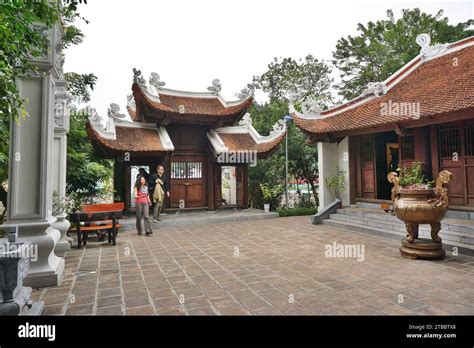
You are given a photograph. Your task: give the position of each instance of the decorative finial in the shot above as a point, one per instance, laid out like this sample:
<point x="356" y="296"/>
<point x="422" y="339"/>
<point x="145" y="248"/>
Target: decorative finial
<point x="310" y="107"/>
<point x="424" y="41"/>
<point x="215" y="87"/>
<point x="375" y="88"/>
<point x="138" y="78"/>
<point x="154" y="80"/>
<point x="131" y="101"/>
<point x="246" y="120"/>
<point x="114" y="111"/>
<point x="136" y="75"/>
<point x="278" y="128"/>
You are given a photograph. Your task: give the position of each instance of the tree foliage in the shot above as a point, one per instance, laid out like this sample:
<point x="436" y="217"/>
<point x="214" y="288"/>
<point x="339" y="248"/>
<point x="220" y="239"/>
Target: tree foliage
<point x="80" y="85"/>
<point x="384" y="46"/>
<point x="20" y="41"/>
<point x="304" y="79"/>
<point x="87" y="175"/>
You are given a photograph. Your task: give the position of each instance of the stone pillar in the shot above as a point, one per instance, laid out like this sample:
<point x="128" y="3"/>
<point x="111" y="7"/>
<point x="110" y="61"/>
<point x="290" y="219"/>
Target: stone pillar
<point x="61" y="128"/>
<point x="30" y="167"/>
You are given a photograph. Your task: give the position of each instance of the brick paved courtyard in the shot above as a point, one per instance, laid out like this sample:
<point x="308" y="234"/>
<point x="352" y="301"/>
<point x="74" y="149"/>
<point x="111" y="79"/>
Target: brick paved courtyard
<point x="274" y="266"/>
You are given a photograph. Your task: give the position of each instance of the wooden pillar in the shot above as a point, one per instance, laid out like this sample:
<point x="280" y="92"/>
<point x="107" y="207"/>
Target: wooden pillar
<point x="166" y="163"/>
<point x="128" y="195"/>
<point x="434" y="151"/>
<point x="211" y="183"/>
<point x="353" y="169"/>
<point x="423" y="148"/>
<point x="245" y="184"/>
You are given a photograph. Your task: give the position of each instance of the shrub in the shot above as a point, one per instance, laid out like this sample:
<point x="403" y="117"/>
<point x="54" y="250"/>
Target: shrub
<point x="336" y="182"/>
<point x="297" y="211"/>
<point x="271" y="194"/>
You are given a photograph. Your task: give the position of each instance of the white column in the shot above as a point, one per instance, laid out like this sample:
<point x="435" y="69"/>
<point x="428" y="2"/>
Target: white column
<point x="327" y="161"/>
<point x="61" y="128"/>
<point x="331" y="155"/>
<point x="343" y="162"/>
<point x="30" y="166"/>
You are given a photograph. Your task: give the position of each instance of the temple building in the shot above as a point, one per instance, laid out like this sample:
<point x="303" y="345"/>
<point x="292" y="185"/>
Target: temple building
<point x="423" y="112"/>
<point x="205" y="143"/>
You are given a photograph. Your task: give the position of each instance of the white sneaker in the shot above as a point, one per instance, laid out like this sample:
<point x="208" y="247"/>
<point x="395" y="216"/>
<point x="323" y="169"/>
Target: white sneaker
<point x="155" y="221"/>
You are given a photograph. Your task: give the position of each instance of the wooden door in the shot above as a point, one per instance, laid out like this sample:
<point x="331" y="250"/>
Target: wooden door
<point x="456" y="154"/>
<point x="367" y="167"/>
<point x="187" y="182"/>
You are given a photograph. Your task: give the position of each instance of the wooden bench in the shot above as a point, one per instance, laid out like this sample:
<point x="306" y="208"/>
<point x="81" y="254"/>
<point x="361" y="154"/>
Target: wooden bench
<point x="100" y="219"/>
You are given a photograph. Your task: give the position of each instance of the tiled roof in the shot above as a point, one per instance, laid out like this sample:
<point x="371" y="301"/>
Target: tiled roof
<point x="129" y="139"/>
<point x="441" y="85"/>
<point x="185" y="106"/>
<point x="245" y="142"/>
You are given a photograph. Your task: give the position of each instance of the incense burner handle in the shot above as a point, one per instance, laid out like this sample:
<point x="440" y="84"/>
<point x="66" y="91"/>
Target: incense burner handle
<point x="442" y="193"/>
<point x="393" y="178"/>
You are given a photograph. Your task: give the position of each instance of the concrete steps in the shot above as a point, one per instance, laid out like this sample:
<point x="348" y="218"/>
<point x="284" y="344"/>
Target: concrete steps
<point x="454" y="232"/>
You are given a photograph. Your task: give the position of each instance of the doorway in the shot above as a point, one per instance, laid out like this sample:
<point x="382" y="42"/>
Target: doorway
<point x="134" y="171"/>
<point x="187" y="182"/>
<point x="386" y="159"/>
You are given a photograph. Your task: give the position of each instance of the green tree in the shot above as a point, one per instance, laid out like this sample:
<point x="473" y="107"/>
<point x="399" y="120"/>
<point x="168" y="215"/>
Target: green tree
<point x="269" y="171"/>
<point x="304" y="79"/>
<point x="20" y="40"/>
<point x="287" y="78"/>
<point x="87" y="175"/>
<point x="384" y="46"/>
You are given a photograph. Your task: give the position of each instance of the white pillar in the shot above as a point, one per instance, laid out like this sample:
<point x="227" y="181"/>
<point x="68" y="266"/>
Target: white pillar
<point x="343" y="162"/>
<point x="327" y="161"/>
<point x="61" y="128"/>
<point x="31" y="163"/>
<point x="331" y="155"/>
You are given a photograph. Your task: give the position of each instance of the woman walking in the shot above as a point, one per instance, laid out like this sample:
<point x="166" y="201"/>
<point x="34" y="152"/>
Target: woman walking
<point x="142" y="205"/>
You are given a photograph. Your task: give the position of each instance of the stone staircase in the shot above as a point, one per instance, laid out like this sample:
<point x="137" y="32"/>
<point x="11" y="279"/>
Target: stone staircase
<point x="457" y="228"/>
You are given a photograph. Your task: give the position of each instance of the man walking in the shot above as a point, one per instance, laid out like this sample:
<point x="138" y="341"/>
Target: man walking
<point x="158" y="189"/>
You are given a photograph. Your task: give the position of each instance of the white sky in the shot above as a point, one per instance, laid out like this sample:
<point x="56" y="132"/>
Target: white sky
<point x="191" y="42"/>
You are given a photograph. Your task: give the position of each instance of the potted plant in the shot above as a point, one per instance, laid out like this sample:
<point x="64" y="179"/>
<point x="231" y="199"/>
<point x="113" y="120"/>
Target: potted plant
<point x="267" y="197"/>
<point x="336" y="182"/>
<point x="416" y="202"/>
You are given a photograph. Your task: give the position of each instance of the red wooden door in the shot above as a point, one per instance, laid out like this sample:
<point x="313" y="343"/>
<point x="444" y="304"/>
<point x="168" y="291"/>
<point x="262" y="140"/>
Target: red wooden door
<point x="456" y="154"/>
<point x="187" y="182"/>
<point x="367" y="167"/>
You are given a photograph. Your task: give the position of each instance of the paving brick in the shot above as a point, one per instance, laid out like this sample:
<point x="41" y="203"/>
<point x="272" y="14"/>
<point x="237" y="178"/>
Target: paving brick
<point x="278" y="258"/>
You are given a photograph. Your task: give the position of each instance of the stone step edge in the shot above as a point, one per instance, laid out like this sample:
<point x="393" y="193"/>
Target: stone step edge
<point x="390" y="218"/>
<point x="400" y="224"/>
<point x="462" y="248"/>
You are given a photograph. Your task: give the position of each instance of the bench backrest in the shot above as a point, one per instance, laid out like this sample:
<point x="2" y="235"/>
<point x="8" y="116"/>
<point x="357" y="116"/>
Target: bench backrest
<point x="94" y="208"/>
<point x="98" y="212"/>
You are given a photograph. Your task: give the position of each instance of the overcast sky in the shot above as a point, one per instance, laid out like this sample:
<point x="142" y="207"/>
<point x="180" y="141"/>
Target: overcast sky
<point x="191" y="42"/>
